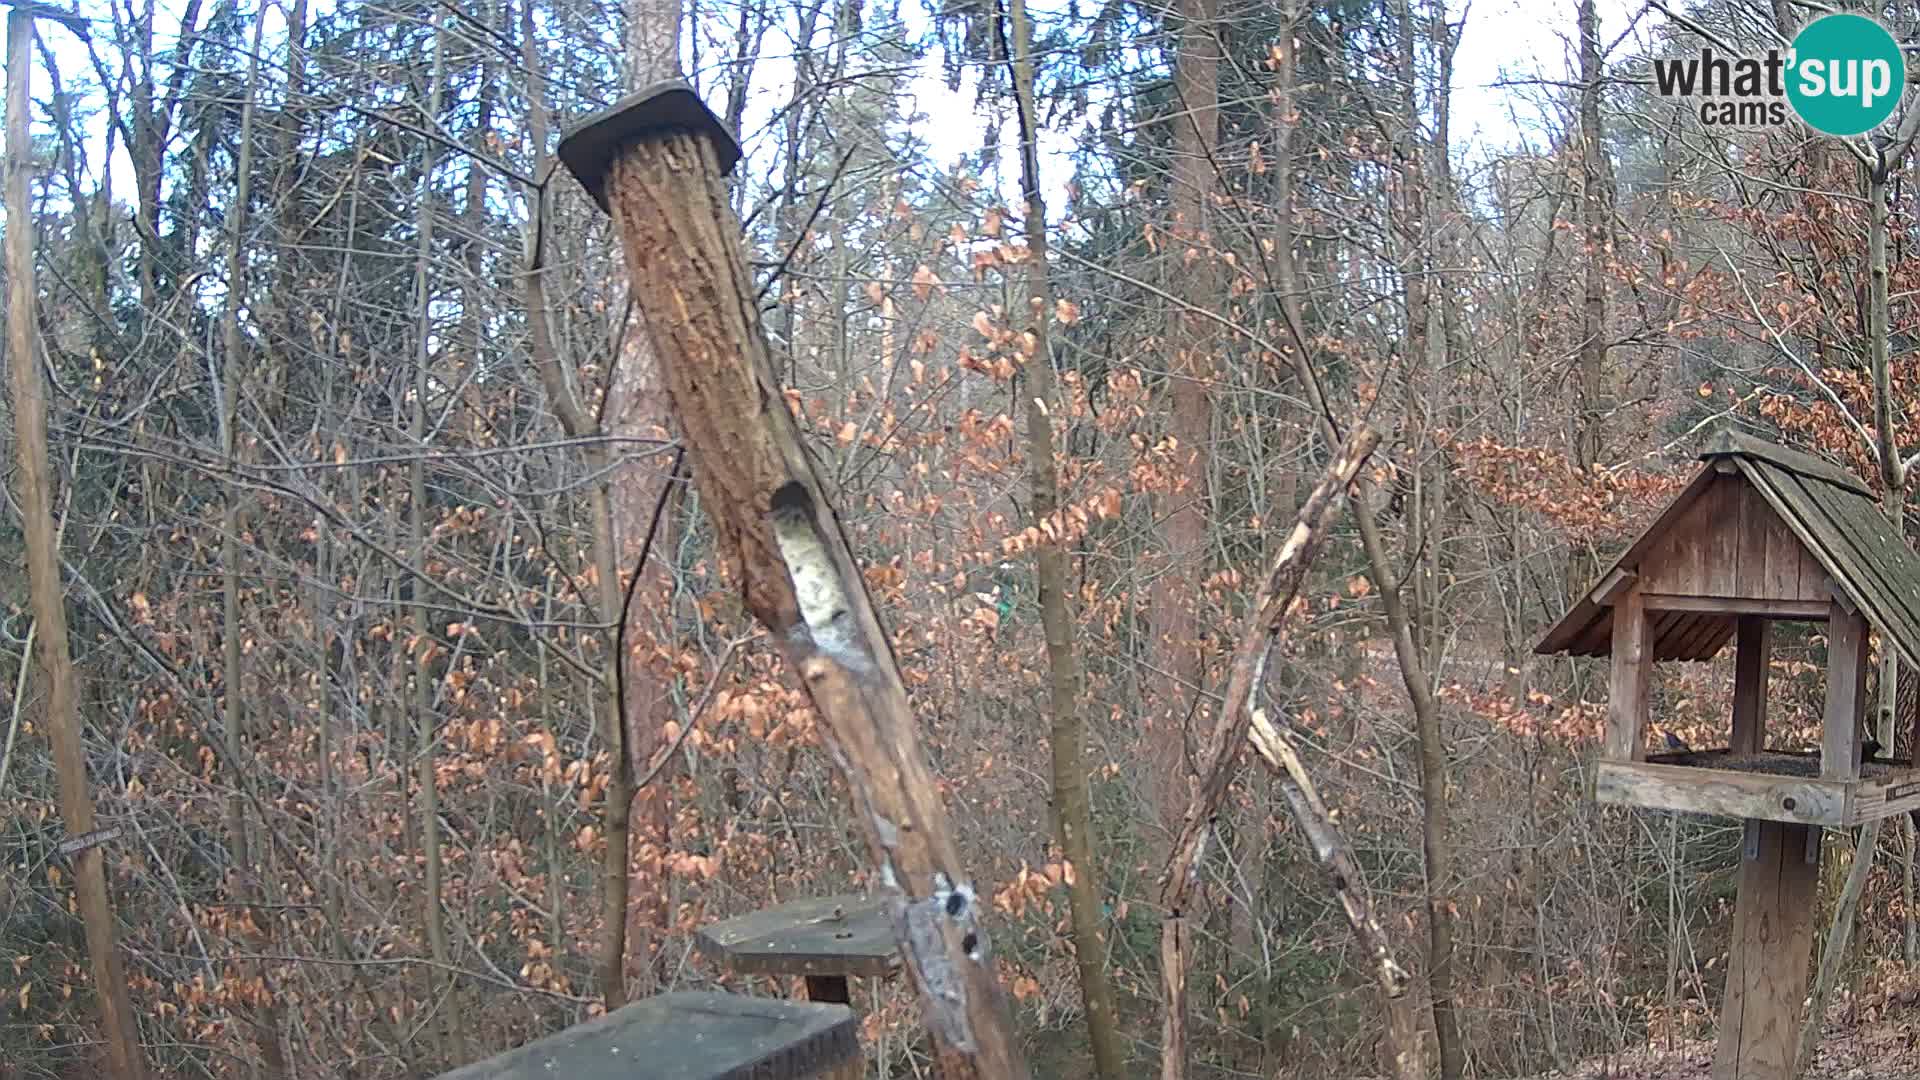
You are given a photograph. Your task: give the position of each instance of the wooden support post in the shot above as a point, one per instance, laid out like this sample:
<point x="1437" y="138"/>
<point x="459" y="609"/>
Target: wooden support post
<point x="655" y="162"/>
<point x="1913" y="734"/>
<point x="1752" y="649"/>
<point x="829" y="989"/>
<point x="1632" y="676"/>
<point x="1772" y="944"/>
<point x="1846" y="694"/>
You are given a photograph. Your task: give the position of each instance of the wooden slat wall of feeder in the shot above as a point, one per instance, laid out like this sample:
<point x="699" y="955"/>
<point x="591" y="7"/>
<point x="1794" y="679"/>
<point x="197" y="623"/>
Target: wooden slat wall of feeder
<point x="1762" y="534"/>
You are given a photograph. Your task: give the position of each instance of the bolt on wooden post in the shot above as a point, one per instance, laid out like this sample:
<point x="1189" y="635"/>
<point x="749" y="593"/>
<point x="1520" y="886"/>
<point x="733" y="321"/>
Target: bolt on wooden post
<point x="655" y="162"/>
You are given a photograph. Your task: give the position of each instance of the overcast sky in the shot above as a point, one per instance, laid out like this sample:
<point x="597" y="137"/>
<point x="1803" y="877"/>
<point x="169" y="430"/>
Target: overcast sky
<point x="1503" y="40"/>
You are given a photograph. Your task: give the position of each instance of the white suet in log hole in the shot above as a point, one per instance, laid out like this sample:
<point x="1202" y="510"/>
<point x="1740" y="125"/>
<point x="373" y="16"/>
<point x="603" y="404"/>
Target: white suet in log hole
<point x="817" y="588"/>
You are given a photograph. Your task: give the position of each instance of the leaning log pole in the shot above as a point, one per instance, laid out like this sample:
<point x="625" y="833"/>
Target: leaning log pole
<point x="656" y="162"/>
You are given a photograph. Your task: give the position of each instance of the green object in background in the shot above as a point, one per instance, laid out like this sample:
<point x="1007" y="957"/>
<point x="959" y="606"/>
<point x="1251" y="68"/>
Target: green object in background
<point x="1006" y="592"/>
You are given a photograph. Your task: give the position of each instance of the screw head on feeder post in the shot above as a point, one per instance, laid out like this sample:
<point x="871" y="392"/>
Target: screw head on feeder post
<point x="588" y="149"/>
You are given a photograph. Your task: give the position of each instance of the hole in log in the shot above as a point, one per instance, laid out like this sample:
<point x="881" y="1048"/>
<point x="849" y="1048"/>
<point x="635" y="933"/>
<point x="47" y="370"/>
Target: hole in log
<point x="1788" y="803"/>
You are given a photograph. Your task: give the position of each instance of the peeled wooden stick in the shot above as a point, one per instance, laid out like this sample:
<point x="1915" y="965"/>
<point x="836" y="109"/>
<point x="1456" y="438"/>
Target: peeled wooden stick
<point x="1331" y="848"/>
<point x="1220" y="755"/>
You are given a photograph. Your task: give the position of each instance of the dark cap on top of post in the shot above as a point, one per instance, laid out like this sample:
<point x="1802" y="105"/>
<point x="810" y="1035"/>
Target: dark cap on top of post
<point x="588" y="149"/>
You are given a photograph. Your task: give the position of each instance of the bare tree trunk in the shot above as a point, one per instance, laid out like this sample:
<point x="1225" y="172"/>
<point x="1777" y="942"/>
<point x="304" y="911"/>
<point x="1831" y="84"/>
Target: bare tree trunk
<point x="425" y="729"/>
<point x="118" y="1022"/>
<point x="1412" y="256"/>
<point x="550" y="817"/>
<point x="1909" y="938"/>
<point x="1413" y="664"/>
<point x="1073" y="812"/>
<point x="653" y="41"/>
<point x="1433" y="792"/>
<point x="1176" y="597"/>
<point x="263" y="1019"/>
<point x="1591" y="398"/>
<point x="637" y="409"/>
<point x="1674" y="943"/>
<point x="564" y="399"/>
<point x="1591" y="405"/>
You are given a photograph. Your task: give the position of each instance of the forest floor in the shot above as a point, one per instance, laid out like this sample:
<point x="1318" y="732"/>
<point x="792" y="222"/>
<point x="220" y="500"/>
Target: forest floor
<point x="1882" y="1045"/>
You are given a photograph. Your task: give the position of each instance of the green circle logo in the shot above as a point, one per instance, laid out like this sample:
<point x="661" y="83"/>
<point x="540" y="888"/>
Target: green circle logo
<point x="1847" y="74"/>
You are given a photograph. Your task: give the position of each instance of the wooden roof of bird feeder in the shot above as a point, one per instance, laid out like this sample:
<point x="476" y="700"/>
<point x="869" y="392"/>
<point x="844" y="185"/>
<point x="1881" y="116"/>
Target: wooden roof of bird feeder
<point x="1761" y="534"/>
<point x="691" y="1036"/>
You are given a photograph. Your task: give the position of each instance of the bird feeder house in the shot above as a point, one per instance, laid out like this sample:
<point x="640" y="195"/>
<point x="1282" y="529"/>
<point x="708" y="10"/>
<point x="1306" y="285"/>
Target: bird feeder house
<point x="1761" y="535"/>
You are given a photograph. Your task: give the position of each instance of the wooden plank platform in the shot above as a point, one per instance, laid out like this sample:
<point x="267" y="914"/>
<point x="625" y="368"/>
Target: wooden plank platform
<point x="691" y="1036"/>
<point x="830" y="935"/>
<point x="1771" y="786"/>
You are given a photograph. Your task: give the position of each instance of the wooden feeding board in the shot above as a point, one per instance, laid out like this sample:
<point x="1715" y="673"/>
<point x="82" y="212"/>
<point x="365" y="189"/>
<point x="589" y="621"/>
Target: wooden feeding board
<point x="691" y="1036"/>
<point x="1771" y="785"/>
<point x="826" y="939"/>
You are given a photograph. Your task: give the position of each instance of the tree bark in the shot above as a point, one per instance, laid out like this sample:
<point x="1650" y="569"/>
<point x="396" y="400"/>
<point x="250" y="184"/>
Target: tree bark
<point x="1591" y="386"/>
<point x="1591" y="398"/>
<point x="653" y="41"/>
<point x="556" y="381"/>
<point x="426" y="730"/>
<point x="781" y="542"/>
<point x="1413" y="664"/>
<point x="1220" y="754"/>
<point x="1433" y="793"/>
<point x="1073" y="812"/>
<point x="637" y="409"/>
<point x="1176" y="596"/>
<point x="264" y="1019"/>
<point x="118" y="1022"/>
